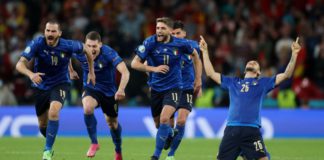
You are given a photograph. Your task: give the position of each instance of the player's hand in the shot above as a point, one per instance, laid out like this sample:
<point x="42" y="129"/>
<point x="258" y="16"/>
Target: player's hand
<point x="203" y="45"/>
<point x="295" y="46"/>
<point x="74" y="75"/>
<point x="120" y="95"/>
<point x="162" y="69"/>
<point x="91" y="78"/>
<point x="36" y="78"/>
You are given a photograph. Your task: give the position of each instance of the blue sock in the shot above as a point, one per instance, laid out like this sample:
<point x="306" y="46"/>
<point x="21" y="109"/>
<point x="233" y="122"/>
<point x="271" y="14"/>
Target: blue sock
<point x="43" y="131"/>
<point x="176" y="140"/>
<point x="91" y="124"/>
<point x="161" y="136"/>
<point x="116" y="138"/>
<point x="52" y="128"/>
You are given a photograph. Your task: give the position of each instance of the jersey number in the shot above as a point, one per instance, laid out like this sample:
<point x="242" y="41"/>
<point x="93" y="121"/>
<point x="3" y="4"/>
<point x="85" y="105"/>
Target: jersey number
<point x="245" y="88"/>
<point x="258" y="145"/>
<point x="54" y="60"/>
<point x="166" y="59"/>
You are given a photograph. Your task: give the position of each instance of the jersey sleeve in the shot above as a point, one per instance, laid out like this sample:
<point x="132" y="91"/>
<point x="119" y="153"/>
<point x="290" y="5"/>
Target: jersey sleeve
<point x="114" y="58"/>
<point x="187" y="47"/>
<point x="77" y="47"/>
<point x="195" y="45"/>
<point x="30" y="50"/>
<point x="270" y="83"/>
<point x="143" y="50"/>
<point x="226" y="81"/>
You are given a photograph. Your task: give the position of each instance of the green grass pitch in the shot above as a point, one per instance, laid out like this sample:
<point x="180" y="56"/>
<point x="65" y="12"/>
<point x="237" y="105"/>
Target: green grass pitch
<point x="68" y="148"/>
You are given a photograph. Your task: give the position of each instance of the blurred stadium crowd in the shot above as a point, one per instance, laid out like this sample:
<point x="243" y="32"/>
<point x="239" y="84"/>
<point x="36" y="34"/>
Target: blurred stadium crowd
<point x="236" y="31"/>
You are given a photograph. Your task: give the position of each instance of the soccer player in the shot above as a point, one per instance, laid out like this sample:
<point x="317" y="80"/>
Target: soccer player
<point x="188" y="79"/>
<point x="242" y="133"/>
<point x="50" y="77"/>
<point x="163" y="54"/>
<point x="104" y="94"/>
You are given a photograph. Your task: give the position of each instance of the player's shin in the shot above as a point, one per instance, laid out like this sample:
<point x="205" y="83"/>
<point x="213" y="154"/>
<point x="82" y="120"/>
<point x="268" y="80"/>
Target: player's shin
<point x="52" y="128"/>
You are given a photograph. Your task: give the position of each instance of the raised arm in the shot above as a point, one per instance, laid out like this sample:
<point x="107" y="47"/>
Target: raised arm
<point x="120" y="94"/>
<point x="198" y="70"/>
<point x="22" y="68"/>
<point x="91" y="74"/>
<point x="209" y="69"/>
<point x="140" y="66"/>
<point x="295" y="47"/>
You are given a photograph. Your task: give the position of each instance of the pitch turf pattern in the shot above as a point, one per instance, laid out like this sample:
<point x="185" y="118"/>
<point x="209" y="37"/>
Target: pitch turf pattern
<point x="67" y="148"/>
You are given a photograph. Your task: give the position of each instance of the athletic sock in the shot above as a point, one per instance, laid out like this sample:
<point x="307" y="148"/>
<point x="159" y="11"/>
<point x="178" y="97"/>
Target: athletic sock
<point x="52" y="128"/>
<point x="91" y="124"/>
<point x="116" y="138"/>
<point x="161" y="136"/>
<point x="176" y="140"/>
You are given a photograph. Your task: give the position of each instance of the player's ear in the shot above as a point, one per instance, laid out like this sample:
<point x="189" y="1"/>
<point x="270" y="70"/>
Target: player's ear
<point x="60" y="33"/>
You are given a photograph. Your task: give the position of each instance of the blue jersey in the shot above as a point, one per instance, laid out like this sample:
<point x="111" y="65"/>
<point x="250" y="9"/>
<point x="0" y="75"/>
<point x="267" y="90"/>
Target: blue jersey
<point x="187" y="68"/>
<point x="157" y="54"/>
<point x="105" y="67"/>
<point x="53" y="61"/>
<point x="246" y="97"/>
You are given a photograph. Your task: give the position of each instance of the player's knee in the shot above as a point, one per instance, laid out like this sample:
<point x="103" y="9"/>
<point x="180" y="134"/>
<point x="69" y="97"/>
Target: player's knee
<point x="53" y="114"/>
<point x="88" y="108"/>
<point x="181" y="121"/>
<point x="112" y="124"/>
<point x="164" y="120"/>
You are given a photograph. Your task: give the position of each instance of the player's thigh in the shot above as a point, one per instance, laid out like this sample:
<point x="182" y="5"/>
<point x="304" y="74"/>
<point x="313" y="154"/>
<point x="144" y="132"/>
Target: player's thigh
<point x="109" y="106"/>
<point x="186" y="100"/>
<point x="90" y="101"/>
<point x="252" y="143"/>
<point x="42" y="102"/>
<point x="229" y="147"/>
<point x="156" y="104"/>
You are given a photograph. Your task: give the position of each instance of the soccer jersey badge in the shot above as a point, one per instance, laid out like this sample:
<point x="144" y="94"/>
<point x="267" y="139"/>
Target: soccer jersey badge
<point x="141" y="48"/>
<point x="175" y="51"/>
<point x="62" y="55"/>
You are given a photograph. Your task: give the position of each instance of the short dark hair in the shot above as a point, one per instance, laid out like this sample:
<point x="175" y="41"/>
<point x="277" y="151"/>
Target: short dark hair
<point x="178" y="24"/>
<point x="54" y="21"/>
<point x="93" y="35"/>
<point x="166" y="20"/>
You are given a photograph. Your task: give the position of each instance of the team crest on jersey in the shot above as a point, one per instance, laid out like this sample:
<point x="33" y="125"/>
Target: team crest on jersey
<point x="175" y="51"/>
<point x="254" y="83"/>
<point x="62" y="55"/>
<point x="27" y="50"/>
<point x="141" y="48"/>
<point x="100" y="65"/>
<point x="189" y="57"/>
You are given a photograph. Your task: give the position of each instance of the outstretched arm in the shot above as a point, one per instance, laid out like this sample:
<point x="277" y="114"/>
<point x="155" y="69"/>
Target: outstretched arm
<point x="198" y="71"/>
<point x="23" y="69"/>
<point x="295" y="47"/>
<point x="209" y="69"/>
<point x="91" y="74"/>
<point x="120" y="94"/>
<point x="140" y="66"/>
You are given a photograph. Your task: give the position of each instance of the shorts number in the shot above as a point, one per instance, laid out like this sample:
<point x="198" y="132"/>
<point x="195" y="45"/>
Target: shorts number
<point x="174" y="96"/>
<point x="62" y="94"/>
<point x="189" y="98"/>
<point x="258" y="145"/>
